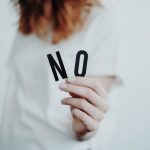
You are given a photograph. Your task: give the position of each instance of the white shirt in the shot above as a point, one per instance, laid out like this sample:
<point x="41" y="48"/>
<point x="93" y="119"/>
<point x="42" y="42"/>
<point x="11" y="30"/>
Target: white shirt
<point x="34" y="118"/>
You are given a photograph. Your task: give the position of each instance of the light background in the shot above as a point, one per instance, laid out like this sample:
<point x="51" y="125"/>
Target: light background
<point x="133" y="17"/>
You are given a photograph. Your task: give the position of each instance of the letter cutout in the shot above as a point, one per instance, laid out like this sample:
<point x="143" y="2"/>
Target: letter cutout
<point x="54" y="66"/>
<point x="81" y="52"/>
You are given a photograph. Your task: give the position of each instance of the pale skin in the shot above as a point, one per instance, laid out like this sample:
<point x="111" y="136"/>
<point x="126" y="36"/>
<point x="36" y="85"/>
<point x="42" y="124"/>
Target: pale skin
<point x="88" y="102"/>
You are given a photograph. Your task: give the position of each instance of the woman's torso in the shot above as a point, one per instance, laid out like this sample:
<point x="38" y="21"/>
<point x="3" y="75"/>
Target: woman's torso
<point x="34" y="118"/>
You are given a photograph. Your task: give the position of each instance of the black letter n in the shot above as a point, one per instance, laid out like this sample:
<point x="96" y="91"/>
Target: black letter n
<point x="54" y="66"/>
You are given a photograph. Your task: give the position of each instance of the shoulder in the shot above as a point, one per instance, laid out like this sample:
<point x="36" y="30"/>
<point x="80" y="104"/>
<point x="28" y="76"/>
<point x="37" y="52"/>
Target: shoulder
<point x="21" y="39"/>
<point x="24" y="46"/>
<point x="26" y="43"/>
<point x="100" y="23"/>
<point x="101" y="18"/>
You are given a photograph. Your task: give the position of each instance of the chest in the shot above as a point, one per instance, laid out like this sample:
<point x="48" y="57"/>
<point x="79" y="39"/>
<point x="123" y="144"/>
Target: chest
<point x="58" y="66"/>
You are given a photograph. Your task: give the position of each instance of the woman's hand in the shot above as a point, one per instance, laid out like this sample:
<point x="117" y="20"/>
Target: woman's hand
<point x="88" y="103"/>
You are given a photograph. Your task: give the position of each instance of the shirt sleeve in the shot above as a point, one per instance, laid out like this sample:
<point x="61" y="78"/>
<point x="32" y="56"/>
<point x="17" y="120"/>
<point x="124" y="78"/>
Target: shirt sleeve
<point x="103" y="58"/>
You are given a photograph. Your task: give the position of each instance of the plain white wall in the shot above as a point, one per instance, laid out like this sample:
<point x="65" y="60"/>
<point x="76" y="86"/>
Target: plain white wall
<point x="133" y="17"/>
<point x="134" y="114"/>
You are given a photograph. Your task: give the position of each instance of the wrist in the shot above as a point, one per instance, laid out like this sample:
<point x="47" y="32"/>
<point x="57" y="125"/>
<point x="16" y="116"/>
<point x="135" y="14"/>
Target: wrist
<point x="85" y="136"/>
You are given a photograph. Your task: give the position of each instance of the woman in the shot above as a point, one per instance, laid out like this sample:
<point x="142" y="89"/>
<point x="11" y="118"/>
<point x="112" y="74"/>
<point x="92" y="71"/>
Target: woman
<point x="47" y="74"/>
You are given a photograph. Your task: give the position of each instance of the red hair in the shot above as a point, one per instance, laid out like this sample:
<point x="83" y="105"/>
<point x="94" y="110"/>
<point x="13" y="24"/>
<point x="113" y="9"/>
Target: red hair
<point x="61" y="17"/>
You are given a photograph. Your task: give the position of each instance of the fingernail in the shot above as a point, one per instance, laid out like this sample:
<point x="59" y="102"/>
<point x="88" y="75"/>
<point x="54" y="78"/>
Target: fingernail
<point x="62" y="86"/>
<point x="71" y="79"/>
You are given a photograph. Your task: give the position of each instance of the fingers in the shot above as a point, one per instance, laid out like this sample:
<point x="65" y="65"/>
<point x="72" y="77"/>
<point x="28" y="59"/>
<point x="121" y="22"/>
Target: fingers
<point x="91" y="83"/>
<point x="89" y="122"/>
<point x="85" y="106"/>
<point x="87" y="102"/>
<point x="85" y="93"/>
